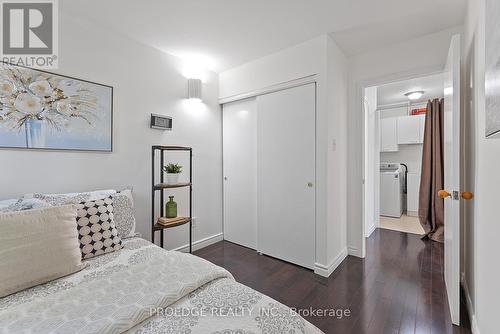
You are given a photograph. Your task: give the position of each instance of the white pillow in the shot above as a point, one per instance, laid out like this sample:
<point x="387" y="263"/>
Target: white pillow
<point x="37" y="246"/>
<point x="94" y="194"/>
<point x="6" y="203"/>
<point x="25" y="204"/>
<point x="71" y="198"/>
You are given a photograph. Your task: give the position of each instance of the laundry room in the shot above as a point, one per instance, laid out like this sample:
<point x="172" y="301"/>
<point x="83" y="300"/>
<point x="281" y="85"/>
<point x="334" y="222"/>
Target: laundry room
<point x="395" y="120"/>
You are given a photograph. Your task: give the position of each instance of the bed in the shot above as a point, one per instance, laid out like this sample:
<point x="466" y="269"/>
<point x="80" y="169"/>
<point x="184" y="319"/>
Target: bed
<point x="143" y="288"/>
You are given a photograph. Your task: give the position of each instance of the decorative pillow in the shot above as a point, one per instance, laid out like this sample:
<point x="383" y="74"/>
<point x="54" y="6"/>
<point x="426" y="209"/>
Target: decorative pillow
<point x="37" y="246"/>
<point x="96" y="228"/>
<point x="56" y="200"/>
<point x="25" y="204"/>
<point x="71" y="198"/>
<point x="123" y="212"/>
<point x="6" y="203"/>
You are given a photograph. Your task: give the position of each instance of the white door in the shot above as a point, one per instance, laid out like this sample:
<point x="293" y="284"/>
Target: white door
<point x="452" y="178"/>
<point x="240" y="172"/>
<point x="286" y="174"/>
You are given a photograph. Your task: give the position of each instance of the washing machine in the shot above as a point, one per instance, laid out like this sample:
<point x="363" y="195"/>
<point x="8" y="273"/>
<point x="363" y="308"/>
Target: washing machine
<point x="391" y="189"/>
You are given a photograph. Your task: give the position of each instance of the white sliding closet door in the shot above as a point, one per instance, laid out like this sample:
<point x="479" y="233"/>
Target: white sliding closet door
<point x="240" y="172"/>
<point x="286" y="174"/>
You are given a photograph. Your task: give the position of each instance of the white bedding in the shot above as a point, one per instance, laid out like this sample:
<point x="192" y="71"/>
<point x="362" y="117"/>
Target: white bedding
<point x="145" y="289"/>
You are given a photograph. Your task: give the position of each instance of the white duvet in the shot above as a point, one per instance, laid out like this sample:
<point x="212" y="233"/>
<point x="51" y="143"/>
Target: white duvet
<point x="145" y="289"/>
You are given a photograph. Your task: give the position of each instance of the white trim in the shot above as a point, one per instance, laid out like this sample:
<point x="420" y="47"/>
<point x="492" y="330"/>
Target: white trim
<point x="202" y="243"/>
<point x="412" y="213"/>
<point x="271" y="89"/>
<point x="353" y="251"/>
<point x="470" y="306"/>
<point x="371" y="230"/>
<point x="326" y="271"/>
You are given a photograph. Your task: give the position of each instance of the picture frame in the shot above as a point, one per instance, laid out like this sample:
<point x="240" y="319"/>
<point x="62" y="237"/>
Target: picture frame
<point x="41" y="110"/>
<point x="492" y="67"/>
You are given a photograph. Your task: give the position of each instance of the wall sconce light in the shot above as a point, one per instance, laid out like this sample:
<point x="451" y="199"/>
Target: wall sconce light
<point x="194" y="89"/>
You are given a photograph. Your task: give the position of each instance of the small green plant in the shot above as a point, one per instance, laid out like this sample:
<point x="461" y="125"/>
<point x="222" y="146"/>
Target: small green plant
<point x="172" y="168"/>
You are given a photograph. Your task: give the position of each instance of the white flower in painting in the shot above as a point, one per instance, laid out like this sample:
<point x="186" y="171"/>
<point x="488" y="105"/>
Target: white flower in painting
<point x="6" y="89"/>
<point x="63" y="107"/>
<point x="41" y="88"/>
<point x="28" y="103"/>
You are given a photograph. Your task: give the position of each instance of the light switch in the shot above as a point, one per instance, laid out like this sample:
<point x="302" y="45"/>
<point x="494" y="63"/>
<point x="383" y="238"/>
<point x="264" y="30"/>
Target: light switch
<point x="334" y="145"/>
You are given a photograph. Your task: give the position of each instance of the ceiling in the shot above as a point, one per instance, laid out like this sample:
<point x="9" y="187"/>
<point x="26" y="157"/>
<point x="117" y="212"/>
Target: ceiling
<point x="394" y="92"/>
<point x="228" y="33"/>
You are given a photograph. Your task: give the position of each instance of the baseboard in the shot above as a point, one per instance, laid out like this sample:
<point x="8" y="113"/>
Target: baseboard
<point x="202" y="243"/>
<point x="470" y="307"/>
<point x="326" y="271"/>
<point x="370" y="230"/>
<point x="353" y="251"/>
<point x="412" y="213"/>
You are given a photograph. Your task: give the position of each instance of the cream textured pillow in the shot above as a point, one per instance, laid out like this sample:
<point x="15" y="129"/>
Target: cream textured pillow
<point x="37" y="246"/>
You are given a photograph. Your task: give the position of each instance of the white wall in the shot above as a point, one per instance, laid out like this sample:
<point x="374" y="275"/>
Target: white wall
<point x="336" y="148"/>
<point x="145" y="81"/>
<point x="292" y="63"/>
<point x="411" y="155"/>
<point x="321" y="57"/>
<point x="481" y="173"/>
<point x="424" y="55"/>
<point x="372" y="160"/>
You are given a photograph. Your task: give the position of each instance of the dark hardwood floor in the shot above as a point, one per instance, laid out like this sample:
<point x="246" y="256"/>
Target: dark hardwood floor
<point x="398" y="288"/>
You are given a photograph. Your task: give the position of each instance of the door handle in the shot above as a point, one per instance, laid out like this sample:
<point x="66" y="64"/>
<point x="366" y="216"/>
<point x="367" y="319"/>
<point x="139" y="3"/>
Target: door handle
<point x="464" y="195"/>
<point x="467" y="195"/>
<point x="443" y="194"/>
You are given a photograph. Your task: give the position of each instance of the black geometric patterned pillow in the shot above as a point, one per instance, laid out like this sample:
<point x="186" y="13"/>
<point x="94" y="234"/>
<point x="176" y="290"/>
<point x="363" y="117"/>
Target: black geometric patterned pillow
<point x="96" y="228"/>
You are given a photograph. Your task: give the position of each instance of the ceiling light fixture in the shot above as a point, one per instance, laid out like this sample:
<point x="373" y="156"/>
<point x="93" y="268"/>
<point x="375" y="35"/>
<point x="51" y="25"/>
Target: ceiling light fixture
<point x="415" y="95"/>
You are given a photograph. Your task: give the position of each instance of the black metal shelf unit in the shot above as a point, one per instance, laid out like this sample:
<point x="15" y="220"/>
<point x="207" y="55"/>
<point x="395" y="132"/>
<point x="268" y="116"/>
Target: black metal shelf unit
<point x="162" y="187"/>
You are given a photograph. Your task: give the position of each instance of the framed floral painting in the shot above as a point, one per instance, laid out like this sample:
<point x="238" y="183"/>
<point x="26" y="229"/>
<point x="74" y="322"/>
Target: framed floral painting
<point x="43" y="110"/>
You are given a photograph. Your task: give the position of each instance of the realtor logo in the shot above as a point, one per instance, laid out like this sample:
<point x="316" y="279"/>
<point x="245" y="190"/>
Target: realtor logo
<point x="29" y="33"/>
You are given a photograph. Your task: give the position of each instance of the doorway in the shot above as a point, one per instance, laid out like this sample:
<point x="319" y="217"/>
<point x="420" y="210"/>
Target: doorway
<point x="394" y="115"/>
<point x="443" y="154"/>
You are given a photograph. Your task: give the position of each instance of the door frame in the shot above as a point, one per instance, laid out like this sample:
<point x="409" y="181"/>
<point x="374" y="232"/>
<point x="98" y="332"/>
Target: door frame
<point x="360" y="225"/>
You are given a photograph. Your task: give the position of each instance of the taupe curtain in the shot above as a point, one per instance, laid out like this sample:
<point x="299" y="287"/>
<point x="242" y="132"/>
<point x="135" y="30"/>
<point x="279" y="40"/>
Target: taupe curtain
<point x="431" y="207"/>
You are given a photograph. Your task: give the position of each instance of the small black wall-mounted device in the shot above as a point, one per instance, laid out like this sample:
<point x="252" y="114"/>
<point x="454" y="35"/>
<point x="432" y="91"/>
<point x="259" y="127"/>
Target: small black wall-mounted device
<point x="161" y="122"/>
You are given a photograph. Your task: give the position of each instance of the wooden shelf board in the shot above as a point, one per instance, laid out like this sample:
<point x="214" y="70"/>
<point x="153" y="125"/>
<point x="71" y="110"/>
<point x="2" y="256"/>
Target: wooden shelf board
<point x="159" y="226"/>
<point x="160" y="186"/>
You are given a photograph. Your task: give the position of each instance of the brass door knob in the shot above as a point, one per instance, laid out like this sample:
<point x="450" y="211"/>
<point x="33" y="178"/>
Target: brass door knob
<point x="443" y="194"/>
<point x="467" y="195"/>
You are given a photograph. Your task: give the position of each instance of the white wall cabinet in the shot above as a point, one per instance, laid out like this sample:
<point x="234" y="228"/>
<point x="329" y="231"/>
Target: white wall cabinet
<point x="389" y="134"/>
<point x="269" y="172"/>
<point x="410" y="129"/>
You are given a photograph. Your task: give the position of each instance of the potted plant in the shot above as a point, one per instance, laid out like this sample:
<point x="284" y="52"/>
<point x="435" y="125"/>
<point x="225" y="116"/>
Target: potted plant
<point x="173" y="171"/>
